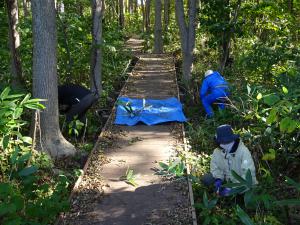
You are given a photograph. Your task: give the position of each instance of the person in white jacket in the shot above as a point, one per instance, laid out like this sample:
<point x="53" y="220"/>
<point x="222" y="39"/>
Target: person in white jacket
<point x="231" y="154"/>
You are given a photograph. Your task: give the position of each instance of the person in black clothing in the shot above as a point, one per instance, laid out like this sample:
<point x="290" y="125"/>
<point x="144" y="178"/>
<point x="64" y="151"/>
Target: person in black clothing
<point x="74" y="101"/>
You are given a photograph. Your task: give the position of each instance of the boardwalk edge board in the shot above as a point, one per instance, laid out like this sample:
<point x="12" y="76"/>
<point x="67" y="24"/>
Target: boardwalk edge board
<point x="185" y="146"/>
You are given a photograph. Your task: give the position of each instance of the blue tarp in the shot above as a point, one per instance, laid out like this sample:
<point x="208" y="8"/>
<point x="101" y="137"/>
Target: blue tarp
<point x="148" y="111"/>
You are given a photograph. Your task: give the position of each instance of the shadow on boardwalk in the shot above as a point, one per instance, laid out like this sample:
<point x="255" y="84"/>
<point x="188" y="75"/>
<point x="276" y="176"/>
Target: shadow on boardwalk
<point x="116" y="207"/>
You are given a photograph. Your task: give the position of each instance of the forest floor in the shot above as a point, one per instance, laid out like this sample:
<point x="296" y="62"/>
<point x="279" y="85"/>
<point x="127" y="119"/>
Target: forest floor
<point x="102" y="197"/>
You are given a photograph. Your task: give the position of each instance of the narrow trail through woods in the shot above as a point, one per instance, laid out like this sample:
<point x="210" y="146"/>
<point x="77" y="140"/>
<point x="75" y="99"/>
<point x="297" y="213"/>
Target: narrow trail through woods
<point x="102" y="197"/>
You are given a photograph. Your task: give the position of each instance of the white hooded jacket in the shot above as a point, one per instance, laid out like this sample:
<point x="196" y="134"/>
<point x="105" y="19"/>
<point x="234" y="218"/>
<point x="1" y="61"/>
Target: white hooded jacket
<point x="240" y="161"/>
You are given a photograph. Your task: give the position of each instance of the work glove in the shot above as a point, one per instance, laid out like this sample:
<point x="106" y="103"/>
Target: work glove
<point x="218" y="184"/>
<point x="224" y="191"/>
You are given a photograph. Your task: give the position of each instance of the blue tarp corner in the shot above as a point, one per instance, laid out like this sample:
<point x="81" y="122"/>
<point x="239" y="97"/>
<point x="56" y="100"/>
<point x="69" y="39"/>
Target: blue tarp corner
<point x="149" y="111"/>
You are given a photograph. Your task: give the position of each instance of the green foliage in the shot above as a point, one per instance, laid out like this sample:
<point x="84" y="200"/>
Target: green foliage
<point x="129" y="177"/>
<point x="74" y="127"/>
<point x="24" y="200"/>
<point x="175" y="167"/>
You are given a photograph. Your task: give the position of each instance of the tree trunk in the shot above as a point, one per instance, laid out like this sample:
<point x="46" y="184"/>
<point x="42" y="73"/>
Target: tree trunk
<point x="227" y="38"/>
<point x="147" y="15"/>
<point x="158" y="41"/>
<point x="45" y="78"/>
<point x="144" y="15"/>
<point x="130" y="6"/>
<point x="167" y="5"/>
<point x="121" y="14"/>
<point x="290" y="6"/>
<point x="96" y="60"/>
<point x="135" y="7"/>
<point x="14" y="42"/>
<point x="25" y="8"/>
<point x="187" y="35"/>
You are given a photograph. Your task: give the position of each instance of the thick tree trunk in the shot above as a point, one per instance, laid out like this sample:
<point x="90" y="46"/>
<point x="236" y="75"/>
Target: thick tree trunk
<point x="158" y="41"/>
<point x="121" y="14"/>
<point x="187" y="35"/>
<point x="96" y="60"/>
<point x="167" y="5"/>
<point x="147" y="15"/>
<point x="45" y="78"/>
<point x="14" y="42"/>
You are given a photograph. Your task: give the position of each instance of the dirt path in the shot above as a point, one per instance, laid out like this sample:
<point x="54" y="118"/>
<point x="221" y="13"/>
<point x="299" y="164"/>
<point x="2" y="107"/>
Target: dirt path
<point x="102" y="198"/>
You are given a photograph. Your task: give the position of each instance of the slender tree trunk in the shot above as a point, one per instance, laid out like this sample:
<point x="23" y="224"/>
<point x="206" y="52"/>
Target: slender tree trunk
<point x="187" y="35"/>
<point x="144" y="15"/>
<point x="96" y="60"/>
<point x="158" y="41"/>
<point x="135" y="6"/>
<point x="147" y="15"/>
<point x="45" y="78"/>
<point x="121" y="14"/>
<point x="290" y="6"/>
<point x="25" y="8"/>
<point x="14" y="42"/>
<point x="167" y="5"/>
<point x="130" y="6"/>
<point x="228" y="37"/>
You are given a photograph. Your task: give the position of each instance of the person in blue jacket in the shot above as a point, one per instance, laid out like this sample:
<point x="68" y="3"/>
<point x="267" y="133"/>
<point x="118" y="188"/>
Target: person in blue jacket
<point x="214" y="87"/>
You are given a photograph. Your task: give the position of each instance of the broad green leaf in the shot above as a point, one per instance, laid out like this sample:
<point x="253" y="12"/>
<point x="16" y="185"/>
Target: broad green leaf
<point x="259" y="96"/>
<point x="271" y="99"/>
<point x="17" y="113"/>
<point x="164" y="166"/>
<point x="288" y="125"/>
<point x="248" y="197"/>
<point x="243" y="216"/>
<point x="5" y="141"/>
<point x="249" y="178"/>
<point x="285" y="90"/>
<point x="238" y="177"/>
<point x="24" y="158"/>
<point x="272" y="116"/>
<point x="269" y="156"/>
<point x="27" y="171"/>
<point x="27" y="140"/>
<point x="26" y="98"/>
<point x="4" y="93"/>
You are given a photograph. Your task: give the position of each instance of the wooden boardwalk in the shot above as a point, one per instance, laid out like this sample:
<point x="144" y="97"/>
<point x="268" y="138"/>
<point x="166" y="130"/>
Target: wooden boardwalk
<point x="155" y="201"/>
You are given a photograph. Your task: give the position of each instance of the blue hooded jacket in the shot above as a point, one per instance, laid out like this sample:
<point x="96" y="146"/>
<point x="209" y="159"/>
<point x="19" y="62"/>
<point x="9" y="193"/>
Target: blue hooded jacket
<point x="214" y="83"/>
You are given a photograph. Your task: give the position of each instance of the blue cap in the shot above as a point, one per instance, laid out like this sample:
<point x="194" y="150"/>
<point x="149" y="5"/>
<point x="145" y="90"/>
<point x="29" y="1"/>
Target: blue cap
<point x="225" y="134"/>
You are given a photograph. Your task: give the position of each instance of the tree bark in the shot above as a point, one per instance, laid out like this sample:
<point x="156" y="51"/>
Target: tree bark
<point x="14" y="42"/>
<point x="144" y="15"/>
<point x="187" y="35"/>
<point x="227" y="38"/>
<point x="121" y="14"/>
<point x="25" y="8"/>
<point x="45" y="78"/>
<point x="130" y="6"/>
<point x="167" y="5"/>
<point x="147" y="15"/>
<point x="96" y="60"/>
<point x="158" y="41"/>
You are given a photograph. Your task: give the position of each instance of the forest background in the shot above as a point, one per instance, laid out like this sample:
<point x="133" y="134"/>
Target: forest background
<point x="255" y="44"/>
